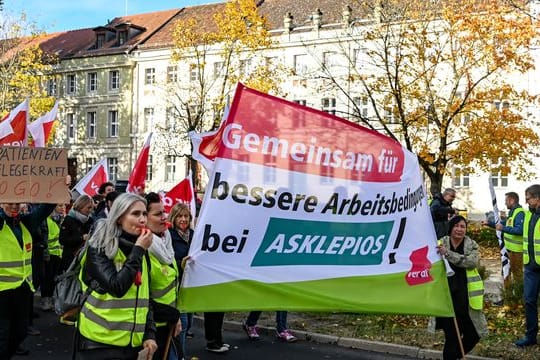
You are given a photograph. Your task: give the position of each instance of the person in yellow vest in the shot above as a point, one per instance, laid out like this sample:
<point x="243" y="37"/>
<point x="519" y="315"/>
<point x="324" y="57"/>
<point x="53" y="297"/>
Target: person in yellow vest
<point x="16" y="272"/>
<point x="512" y="229"/>
<point x="53" y="256"/>
<point x="531" y="262"/>
<point x="466" y="289"/>
<point x="164" y="283"/>
<point x="116" y="320"/>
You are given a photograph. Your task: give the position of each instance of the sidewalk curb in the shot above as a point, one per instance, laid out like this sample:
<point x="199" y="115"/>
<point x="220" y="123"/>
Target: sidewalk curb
<point x="377" y="346"/>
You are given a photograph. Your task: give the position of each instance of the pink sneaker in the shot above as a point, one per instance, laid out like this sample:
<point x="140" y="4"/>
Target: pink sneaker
<point x="287" y="336"/>
<point x="251" y="331"/>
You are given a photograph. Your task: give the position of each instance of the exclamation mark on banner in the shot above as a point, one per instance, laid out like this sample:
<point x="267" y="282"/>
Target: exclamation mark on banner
<point x="392" y="255"/>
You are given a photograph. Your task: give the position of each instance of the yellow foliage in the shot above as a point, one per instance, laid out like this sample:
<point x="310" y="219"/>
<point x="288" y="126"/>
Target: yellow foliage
<point x="444" y="63"/>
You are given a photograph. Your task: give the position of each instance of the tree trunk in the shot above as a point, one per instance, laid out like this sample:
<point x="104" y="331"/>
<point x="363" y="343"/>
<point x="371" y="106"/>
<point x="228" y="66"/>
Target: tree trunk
<point x="436" y="180"/>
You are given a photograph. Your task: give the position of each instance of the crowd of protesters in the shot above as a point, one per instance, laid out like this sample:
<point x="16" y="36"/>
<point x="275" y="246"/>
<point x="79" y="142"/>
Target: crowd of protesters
<point x="133" y="256"/>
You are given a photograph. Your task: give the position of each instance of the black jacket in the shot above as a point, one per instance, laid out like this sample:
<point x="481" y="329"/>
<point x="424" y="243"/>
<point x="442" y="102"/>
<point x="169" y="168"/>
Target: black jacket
<point x="100" y="273"/>
<point x="71" y="238"/>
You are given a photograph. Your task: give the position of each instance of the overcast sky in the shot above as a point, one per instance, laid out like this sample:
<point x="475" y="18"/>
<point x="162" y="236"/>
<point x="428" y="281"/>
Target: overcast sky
<point x="59" y="15"/>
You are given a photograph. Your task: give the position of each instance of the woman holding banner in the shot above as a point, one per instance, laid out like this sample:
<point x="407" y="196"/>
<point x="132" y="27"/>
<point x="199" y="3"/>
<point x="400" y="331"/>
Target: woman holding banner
<point x="466" y="289"/>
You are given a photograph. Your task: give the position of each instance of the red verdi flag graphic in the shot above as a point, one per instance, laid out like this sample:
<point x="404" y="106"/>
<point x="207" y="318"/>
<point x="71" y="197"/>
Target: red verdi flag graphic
<point x="13" y="127"/>
<point x="90" y="183"/>
<point x="137" y="178"/>
<point x="41" y="128"/>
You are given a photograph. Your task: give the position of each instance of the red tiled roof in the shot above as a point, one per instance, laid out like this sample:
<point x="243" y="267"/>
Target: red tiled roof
<point x="204" y="14"/>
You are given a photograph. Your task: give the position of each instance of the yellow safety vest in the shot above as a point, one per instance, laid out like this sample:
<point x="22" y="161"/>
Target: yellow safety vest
<point x="536" y="240"/>
<point x="475" y="289"/>
<point x="15" y="262"/>
<point x="163" y="283"/>
<point x="116" y="321"/>
<point x="513" y="242"/>
<point x="53" y="244"/>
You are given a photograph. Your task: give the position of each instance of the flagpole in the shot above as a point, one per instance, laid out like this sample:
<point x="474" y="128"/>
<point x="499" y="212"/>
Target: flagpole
<point x="505" y="260"/>
<point x="459" y="339"/>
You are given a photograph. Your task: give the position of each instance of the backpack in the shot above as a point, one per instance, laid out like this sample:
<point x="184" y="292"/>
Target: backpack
<point x="68" y="294"/>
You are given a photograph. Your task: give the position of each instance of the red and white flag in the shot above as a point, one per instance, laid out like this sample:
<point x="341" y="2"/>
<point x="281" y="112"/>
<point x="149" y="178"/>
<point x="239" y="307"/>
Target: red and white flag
<point x="206" y="144"/>
<point x="14" y="126"/>
<point x="180" y="193"/>
<point x="41" y="128"/>
<point x="136" y="181"/>
<point x="90" y="183"/>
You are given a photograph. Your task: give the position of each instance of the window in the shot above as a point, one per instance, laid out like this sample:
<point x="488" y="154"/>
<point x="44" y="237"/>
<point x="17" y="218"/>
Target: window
<point x="70" y="120"/>
<point x="172" y="74"/>
<point x="113" y="126"/>
<point x="329" y="105"/>
<point x="100" y="40"/>
<point x="300" y="64"/>
<point x="149" y="169"/>
<point x="460" y="178"/>
<point x="170" y="118"/>
<point x="244" y="67"/>
<point x="114" y="80"/>
<point x="91" y="124"/>
<point x="329" y="60"/>
<point x="122" y="37"/>
<point x="218" y="68"/>
<point x="360" y="58"/>
<point x="51" y="87"/>
<point x="499" y="179"/>
<point x="301" y="102"/>
<point x="71" y="84"/>
<point x="90" y="163"/>
<point x="149" y="76"/>
<point x="193" y="72"/>
<point x="170" y="167"/>
<point x="361" y="106"/>
<point x="389" y="114"/>
<point x="194" y="111"/>
<point x="501" y="105"/>
<point x="91" y="82"/>
<point x="112" y="164"/>
<point x="148" y="119"/>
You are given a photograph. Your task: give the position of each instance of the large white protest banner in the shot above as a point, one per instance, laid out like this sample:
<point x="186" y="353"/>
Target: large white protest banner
<point x="307" y="211"/>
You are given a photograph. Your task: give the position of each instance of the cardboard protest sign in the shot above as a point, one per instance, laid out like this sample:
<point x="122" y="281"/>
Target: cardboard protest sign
<point x="307" y="211"/>
<point x="34" y="175"/>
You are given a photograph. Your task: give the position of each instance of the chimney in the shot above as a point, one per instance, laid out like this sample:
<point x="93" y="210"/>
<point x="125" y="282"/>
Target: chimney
<point x="287" y="22"/>
<point x="317" y="18"/>
<point x="346" y="14"/>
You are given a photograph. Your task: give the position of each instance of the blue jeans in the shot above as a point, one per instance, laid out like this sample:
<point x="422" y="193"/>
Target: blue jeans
<point x="186" y="319"/>
<point x="281" y="319"/>
<point x="531" y="287"/>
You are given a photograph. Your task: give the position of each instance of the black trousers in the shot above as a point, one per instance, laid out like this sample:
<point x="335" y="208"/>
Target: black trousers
<point x="14" y="318"/>
<point x="52" y="269"/>
<point x="213" y="324"/>
<point x="469" y="336"/>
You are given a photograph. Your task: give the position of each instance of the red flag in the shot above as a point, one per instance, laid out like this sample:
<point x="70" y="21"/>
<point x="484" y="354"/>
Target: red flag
<point x="206" y="144"/>
<point x="90" y="183"/>
<point x="136" y="181"/>
<point x="13" y="127"/>
<point x="42" y="127"/>
<point x="181" y="193"/>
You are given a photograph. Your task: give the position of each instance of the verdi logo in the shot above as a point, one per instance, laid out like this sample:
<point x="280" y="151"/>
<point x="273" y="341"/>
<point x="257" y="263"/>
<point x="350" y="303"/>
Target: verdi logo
<point x="302" y="242"/>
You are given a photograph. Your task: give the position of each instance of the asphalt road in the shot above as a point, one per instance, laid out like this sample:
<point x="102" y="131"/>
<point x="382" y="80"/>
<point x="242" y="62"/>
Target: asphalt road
<point x="55" y="343"/>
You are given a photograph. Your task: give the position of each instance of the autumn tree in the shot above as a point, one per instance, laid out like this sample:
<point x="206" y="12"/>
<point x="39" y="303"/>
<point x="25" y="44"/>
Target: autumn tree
<point x="442" y="78"/>
<point x="217" y="53"/>
<point x="24" y="67"/>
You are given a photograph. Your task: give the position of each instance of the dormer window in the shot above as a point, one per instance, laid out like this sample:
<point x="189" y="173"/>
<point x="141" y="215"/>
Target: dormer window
<point x="100" y="40"/>
<point x="122" y="37"/>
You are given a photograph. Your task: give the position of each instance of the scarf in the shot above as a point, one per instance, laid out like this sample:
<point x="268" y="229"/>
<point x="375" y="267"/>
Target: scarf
<point x="162" y="248"/>
<point x="77" y="215"/>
